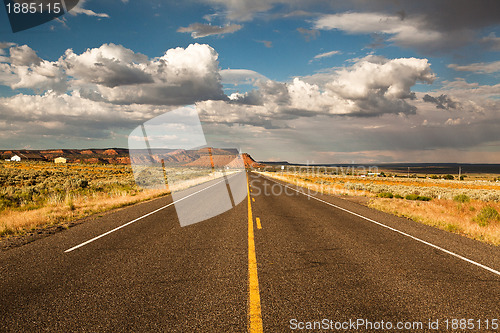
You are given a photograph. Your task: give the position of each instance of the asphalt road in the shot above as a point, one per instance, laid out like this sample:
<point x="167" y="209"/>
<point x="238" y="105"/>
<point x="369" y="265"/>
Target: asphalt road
<point x="314" y="262"/>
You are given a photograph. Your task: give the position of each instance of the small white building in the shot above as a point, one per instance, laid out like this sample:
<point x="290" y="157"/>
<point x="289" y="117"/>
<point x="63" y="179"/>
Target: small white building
<point x="60" y="160"/>
<point x="15" y="158"/>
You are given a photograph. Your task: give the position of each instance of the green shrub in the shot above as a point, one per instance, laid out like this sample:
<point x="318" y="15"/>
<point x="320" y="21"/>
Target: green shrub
<point x="462" y="198"/>
<point x="385" y="195"/>
<point x="417" y="197"/>
<point x="82" y="183"/>
<point x="448" y="177"/>
<point x="411" y="197"/>
<point x="487" y="215"/>
<point x="452" y="228"/>
<point x="398" y="196"/>
<point x="71" y="205"/>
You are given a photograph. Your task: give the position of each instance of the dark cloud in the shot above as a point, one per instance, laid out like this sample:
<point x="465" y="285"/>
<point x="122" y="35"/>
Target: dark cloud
<point x="444" y="15"/>
<point x="429" y="26"/>
<point x="442" y="102"/>
<point x="376" y="104"/>
<point x="460" y="21"/>
<point x="23" y="56"/>
<point x="186" y="92"/>
<point x="109" y="73"/>
<point x="252" y="97"/>
<point x="378" y="41"/>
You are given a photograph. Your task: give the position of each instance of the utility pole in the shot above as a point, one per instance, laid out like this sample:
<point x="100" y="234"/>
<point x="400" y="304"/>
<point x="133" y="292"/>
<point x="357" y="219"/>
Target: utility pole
<point x="459" y="173"/>
<point x="408" y="172"/>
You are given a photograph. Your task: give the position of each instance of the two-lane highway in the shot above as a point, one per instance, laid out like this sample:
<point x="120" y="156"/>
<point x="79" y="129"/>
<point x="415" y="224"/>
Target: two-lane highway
<point x="277" y="260"/>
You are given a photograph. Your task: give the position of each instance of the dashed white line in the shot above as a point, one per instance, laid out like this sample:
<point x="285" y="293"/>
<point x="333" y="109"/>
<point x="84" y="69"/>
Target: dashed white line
<point x="139" y="218"/>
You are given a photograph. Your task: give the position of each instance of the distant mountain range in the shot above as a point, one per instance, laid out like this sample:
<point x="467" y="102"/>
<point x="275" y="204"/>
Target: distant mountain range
<point x="222" y="157"/>
<point x="204" y="157"/>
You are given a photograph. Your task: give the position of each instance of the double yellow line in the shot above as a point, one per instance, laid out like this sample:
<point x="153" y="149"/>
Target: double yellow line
<point x="254" y="310"/>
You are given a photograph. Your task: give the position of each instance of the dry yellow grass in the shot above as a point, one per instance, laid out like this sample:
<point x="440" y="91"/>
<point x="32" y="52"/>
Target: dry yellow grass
<point x="446" y="215"/>
<point x="38" y="194"/>
<point x="443" y="213"/>
<point x="18" y="222"/>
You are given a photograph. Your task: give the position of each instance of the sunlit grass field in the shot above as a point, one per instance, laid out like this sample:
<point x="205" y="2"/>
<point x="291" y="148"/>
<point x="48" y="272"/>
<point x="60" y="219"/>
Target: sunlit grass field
<point x="34" y="194"/>
<point x="470" y="208"/>
<point x="40" y="194"/>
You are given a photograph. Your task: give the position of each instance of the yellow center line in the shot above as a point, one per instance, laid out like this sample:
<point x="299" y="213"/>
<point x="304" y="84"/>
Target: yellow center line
<point x="254" y="310"/>
<point x="258" y="223"/>
<point x="253" y="199"/>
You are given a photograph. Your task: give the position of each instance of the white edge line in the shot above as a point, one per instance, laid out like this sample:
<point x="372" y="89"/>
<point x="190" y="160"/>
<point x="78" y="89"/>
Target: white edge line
<point x="393" y="229"/>
<point x="139" y="218"/>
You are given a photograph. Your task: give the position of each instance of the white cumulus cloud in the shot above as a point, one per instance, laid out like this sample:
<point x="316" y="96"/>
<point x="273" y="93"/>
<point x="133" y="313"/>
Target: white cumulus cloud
<point x="370" y="87"/>
<point x="118" y="75"/>
<point x="109" y="65"/>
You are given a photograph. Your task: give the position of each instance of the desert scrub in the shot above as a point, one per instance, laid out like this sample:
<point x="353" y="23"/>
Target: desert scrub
<point x="443" y="214"/>
<point x="486" y="216"/>
<point x="385" y="195"/>
<point x="436" y="189"/>
<point x="432" y="188"/>
<point x="452" y="228"/>
<point x="417" y="197"/>
<point x="38" y="193"/>
<point x="29" y="185"/>
<point x="461" y="198"/>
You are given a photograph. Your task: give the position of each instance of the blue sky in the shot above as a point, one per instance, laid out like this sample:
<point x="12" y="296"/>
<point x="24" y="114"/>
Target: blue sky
<point x="322" y="81"/>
